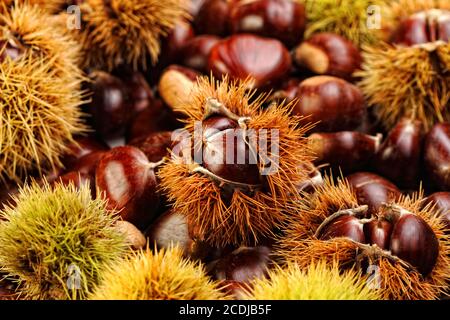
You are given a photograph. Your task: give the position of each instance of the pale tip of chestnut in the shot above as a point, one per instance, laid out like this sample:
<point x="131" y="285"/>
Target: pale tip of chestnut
<point x="175" y="86"/>
<point x="133" y="236"/>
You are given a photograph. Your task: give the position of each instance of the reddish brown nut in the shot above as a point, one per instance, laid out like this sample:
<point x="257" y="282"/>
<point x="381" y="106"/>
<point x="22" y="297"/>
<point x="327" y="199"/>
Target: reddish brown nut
<point x="173" y="45"/>
<point x="333" y="102"/>
<point x="378" y="232"/>
<point x="314" y="180"/>
<point x="155" y="145"/>
<point x="195" y="6"/>
<point x="78" y="179"/>
<point x="423" y="27"/>
<point x="81" y="147"/>
<point x="197" y="50"/>
<point x="400" y="154"/>
<point x="348" y="151"/>
<point x="88" y="163"/>
<point x="287" y="91"/>
<point x="140" y="93"/>
<point x="176" y="84"/>
<point x="344" y="226"/>
<point x="281" y="19"/>
<point x="243" y="264"/>
<point x="243" y="56"/>
<point x="373" y="190"/>
<point x="212" y="18"/>
<point x="328" y="53"/>
<point x="441" y="201"/>
<point x="437" y="155"/>
<point x="126" y="178"/>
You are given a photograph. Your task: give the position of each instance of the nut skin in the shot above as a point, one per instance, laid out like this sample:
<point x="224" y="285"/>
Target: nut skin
<point x="348" y="151"/>
<point x="441" y="200"/>
<point x="314" y="180"/>
<point x="333" y="102"/>
<point x="284" y="20"/>
<point x="88" y="163"/>
<point x="155" y="145"/>
<point x="140" y="93"/>
<point x="197" y="50"/>
<point x="212" y="18"/>
<point x="437" y="155"/>
<point x="373" y="190"/>
<point x="328" y="54"/>
<point x="263" y="60"/>
<point x="414" y="241"/>
<point x="175" y="42"/>
<point x="378" y="232"/>
<point x="82" y="147"/>
<point x="344" y="226"/>
<point x="399" y="157"/>
<point x="243" y="264"/>
<point x="134" y="237"/>
<point x="126" y="178"/>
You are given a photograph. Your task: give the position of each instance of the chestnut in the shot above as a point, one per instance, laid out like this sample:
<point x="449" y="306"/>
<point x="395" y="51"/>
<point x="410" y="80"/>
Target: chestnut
<point x="133" y="236"/>
<point x="245" y="56"/>
<point x="414" y="241"/>
<point x="197" y="50"/>
<point x="373" y="190"/>
<point x="378" y="232"/>
<point x="88" y="163"/>
<point x="437" y="155"/>
<point x="287" y="91"/>
<point x="328" y="53"/>
<point x="173" y="45"/>
<point x="441" y="202"/>
<point x="77" y="179"/>
<point x="110" y="107"/>
<point x="243" y="264"/>
<point x="126" y="178"/>
<point x="348" y="151"/>
<point x="10" y="49"/>
<point x="212" y="17"/>
<point x="155" y="145"/>
<point x="399" y="156"/>
<point x="284" y="20"/>
<point x="81" y="147"/>
<point x="314" y="180"/>
<point x="176" y="84"/>
<point x="140" y="93"/>
<point x="344" y="226"/>
<point x="335" y="104"/>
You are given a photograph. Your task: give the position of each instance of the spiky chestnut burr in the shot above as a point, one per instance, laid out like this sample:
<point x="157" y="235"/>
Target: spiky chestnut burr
<point x="409" y="78"/>
<point x="417" y="263"/>
<point x="347" y="18"/>
<point x="160" y="275"/>
<point x="116" y="32"/>
<point x="235" y="203"/>
<point x="319" y="282"/>
<point x="53" y="233"/>
<point x="50" y="6"/>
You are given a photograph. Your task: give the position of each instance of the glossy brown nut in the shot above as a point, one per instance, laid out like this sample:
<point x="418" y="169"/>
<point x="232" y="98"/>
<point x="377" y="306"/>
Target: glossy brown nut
<point x="400" y="154"/>
<point x="314" y="180"/>
<point x="414" y="241"/>
<point x="284" y="20"/>
<point x="334" y="103"/>
<point x="287" y="91"/>
<point x="243" y="264"/>
<point x="88" y="163"/>
<point x="82" y="147"/>
<point x="140" y="93"/>
<point x="77" y="179"/>
<point x="126" y="178"/>
<point x="155" y="145"/>
<point x="348" y="151"/>
<point x="373" y="190"/>
<point x="437" y="155"/>
<point x="441" y="200"/>
<point x="379" y="233"/>
<point x="173" y="45"/>
<point x="197" y="50"/>
<point x="328" y="53"/>
<point x="212" y="18"/>
<point x="344" y="226"/>
<point x="262" y="60"/>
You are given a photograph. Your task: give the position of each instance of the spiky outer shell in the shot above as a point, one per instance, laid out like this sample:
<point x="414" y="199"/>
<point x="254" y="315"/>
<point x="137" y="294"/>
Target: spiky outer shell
<point x="40" y="95"/>
<point x="393" y="279"/>
<point x="318" y="282"/>
<point x="409" y="82"/>
<point x="116" y="32"/>
<point x="160" y="275"/>
<point x="246" y="217"/>
<point x="57" y="234"/>
<point x="51" y="6"/>
<point x="348" y="18"/>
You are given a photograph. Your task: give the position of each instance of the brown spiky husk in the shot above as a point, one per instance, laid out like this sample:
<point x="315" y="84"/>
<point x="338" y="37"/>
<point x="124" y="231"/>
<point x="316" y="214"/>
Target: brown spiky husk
<point x="409" y="82"/>
<point x="246" y="217"/>
<point x="119" y="32"/>
<point x="396" y="280"/>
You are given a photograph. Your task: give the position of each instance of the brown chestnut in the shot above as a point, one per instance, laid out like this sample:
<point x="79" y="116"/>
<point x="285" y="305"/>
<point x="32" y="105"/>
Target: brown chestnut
<point x="243" y="56"/>
<point x="344" y="226"/>
<point x="197" y="50"/>
<point x="284" y="20"/>
<point x="212" y="17"/>
<point x="399" y="156"/>
<point x="155" y="145"/>
<point x="173" y="45"/>
<point x="334" y="103"/>
<point x="378" y="232"/>
<point x="437" y="155"/>
<point x="348" y="151"/>
<point x="373" y="190"/>
<point x="441" y="200"/>
<point x="314" y="180"/>
<point x="140" y="93"/>
<point x="88" y="163"/>
<point x="328" y="53"/>
<point x="133" y="236"/>
<point x="126" y="178"/>
<point x="81" y="147"/>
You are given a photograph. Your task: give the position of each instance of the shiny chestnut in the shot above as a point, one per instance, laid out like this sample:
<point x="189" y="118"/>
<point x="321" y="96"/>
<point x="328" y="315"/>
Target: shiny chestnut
<point x="437" y="155"/>
<point x="197" y="50"/>
<point x="212" y="18"/>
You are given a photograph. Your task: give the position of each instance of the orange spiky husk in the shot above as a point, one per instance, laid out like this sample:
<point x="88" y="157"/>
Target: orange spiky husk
<point x="409" y="82"/>
<point x="116" y="32"/>
<point x="397" y="279"/>
<point x="246" y="217"/>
